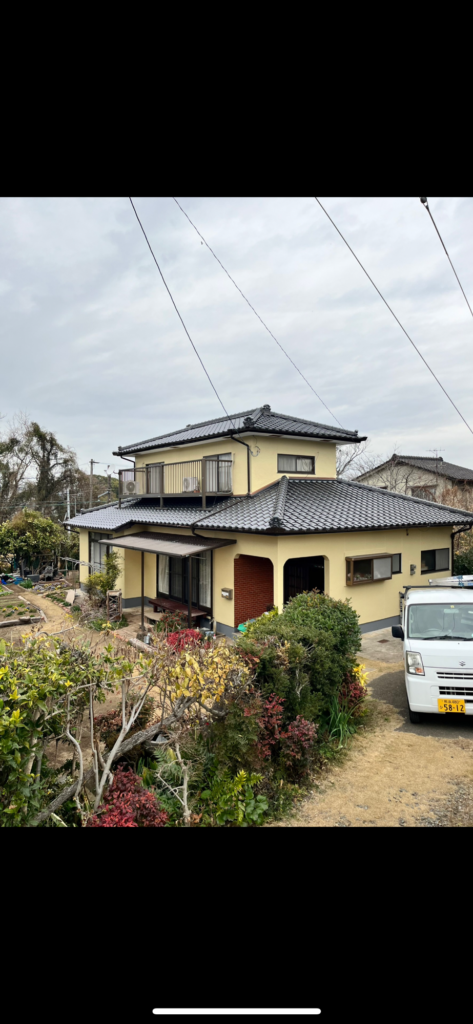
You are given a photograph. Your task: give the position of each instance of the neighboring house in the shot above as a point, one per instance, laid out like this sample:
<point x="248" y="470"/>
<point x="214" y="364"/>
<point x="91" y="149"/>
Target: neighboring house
<point x="418" y="476"/>
<point x="232" y="516"/>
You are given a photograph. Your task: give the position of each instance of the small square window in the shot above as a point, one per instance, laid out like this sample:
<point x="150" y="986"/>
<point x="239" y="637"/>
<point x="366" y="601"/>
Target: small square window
<point x="397" y="563"/>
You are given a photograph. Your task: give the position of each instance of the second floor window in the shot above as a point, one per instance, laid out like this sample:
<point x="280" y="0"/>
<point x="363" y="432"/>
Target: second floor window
<point x="296" y="464"/>
<point x="428" y="493"/>
<point x="218" y="473"/>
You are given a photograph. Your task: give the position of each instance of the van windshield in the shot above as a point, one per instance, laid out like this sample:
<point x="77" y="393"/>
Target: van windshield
<point x="441" y="621"/>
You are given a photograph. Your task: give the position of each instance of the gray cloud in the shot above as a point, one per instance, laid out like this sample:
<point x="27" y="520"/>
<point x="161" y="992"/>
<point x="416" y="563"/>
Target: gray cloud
<point x="92" y="347"/>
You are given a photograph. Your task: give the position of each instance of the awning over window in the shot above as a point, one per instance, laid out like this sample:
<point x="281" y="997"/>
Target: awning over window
<point x="166" y="543"/>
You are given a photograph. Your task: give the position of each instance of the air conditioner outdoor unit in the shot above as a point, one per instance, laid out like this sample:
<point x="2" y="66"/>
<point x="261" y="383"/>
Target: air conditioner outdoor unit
<point x="190" y="483"/>
<point x="130" y="487"/>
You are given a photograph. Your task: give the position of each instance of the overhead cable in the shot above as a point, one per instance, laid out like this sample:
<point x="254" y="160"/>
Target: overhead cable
<point x="180" y="317"/>
<point x="425" y="203"/>
<point x="257" y="314"/>
<point x="419" y="353"/>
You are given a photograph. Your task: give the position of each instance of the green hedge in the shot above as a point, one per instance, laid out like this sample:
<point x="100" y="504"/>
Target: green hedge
<point x="304" y="653"/>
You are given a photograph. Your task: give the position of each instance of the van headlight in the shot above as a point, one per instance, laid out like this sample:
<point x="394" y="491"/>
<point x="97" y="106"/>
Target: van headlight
<point x="414" y="664"/>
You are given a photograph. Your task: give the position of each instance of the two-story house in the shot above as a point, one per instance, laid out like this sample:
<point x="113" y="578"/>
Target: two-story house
<point x="233" y="516"/>
<point x="418" y="475"/>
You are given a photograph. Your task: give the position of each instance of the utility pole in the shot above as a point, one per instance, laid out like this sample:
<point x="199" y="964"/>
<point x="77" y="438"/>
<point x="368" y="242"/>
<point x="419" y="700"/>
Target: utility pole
<point x="109" y="478"/>
<point x="93" y="462"/>
<point x="68" y="503"/>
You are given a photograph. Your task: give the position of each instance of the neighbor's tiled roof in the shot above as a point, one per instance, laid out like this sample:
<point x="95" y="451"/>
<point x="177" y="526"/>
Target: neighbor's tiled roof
<point x="448" y="469"/>
<point x="292" y="506"/>
<point x="262" y="421"/>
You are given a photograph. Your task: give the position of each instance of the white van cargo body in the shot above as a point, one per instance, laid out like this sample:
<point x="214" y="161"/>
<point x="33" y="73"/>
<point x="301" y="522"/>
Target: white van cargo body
<point x="437" y="634"/>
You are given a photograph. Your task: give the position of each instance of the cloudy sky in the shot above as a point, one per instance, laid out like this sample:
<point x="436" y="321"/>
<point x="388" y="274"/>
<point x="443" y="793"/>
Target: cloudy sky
<point x="92" y="347"/>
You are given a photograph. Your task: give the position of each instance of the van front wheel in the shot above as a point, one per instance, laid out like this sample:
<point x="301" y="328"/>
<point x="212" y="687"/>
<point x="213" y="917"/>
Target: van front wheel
<point x="415" y="717"/>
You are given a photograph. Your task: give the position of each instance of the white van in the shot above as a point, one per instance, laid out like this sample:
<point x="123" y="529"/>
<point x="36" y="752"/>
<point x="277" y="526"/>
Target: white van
<point x="437" y="630"/>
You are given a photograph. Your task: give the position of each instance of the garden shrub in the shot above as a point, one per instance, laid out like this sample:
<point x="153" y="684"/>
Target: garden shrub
<point x="234" y="740"/>
<point x="298" y="748"/>
<point x="305" y="653"/>
<point x="184" y="638"/>
<point x="171" y="622"/>
<point x="98" y="583"/>
<point x="127" y="804"/>
<point x="353" y="690"/>
<point x="231" y="801"/>
<point x="463" y="562"/>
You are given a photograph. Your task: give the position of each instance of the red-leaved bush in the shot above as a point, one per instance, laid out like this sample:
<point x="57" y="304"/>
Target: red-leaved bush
<point x="351" y="691"/>
<point x="270" y="724"/>
<point x="127" y="805"/>
<point x="184" y="638"/>
<point x="297" y="746"/>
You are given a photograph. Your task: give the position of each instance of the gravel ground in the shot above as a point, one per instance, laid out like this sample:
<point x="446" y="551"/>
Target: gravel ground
<point x="394" y="774"/>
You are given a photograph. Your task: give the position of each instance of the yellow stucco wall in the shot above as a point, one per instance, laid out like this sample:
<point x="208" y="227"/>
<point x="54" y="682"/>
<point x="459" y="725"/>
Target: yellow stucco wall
<point x="372" y="601"/>
<point x="263" y="467"/>
<point x="83" y="554"/>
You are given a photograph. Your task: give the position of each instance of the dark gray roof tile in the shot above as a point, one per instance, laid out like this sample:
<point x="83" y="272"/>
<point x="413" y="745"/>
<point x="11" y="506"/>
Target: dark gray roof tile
<point x="260" y="420"/>
<point x="309" y="506"/>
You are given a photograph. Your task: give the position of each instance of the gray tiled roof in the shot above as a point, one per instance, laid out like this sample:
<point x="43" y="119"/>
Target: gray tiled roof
<point x="448" y="469"/>
<point x="262" y="421"/>
<point x="298" y="506"/>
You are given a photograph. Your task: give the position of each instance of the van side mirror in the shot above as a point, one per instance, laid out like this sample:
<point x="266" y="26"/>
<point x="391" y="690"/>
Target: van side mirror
<point x="397" y="632"/>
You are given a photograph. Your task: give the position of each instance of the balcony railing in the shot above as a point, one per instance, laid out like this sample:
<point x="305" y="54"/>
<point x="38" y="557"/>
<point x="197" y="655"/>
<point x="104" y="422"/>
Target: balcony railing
<point x="178" y="479"/>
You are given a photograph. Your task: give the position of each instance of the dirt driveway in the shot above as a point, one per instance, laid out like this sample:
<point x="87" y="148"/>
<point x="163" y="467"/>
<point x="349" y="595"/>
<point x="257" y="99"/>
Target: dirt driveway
<point x="395" y="774"/>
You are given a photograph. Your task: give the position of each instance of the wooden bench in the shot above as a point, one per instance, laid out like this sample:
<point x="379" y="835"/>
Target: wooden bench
<point x="169" y="604"/>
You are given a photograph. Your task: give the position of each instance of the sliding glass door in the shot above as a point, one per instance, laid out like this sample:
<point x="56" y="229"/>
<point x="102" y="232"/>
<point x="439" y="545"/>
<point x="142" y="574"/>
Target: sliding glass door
<point x="173" y="579"/>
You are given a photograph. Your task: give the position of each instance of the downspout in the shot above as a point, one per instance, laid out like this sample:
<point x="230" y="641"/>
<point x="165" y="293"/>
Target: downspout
<point x="248" y="450"/>
<point x="133" y="464"/>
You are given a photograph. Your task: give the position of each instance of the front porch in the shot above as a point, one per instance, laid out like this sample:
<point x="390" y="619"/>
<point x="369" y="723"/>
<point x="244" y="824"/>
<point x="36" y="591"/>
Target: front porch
<point x="162" y="573"/>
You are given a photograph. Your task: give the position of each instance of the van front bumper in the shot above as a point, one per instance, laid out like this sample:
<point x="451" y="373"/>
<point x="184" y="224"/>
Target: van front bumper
<point x="423" y="695"/>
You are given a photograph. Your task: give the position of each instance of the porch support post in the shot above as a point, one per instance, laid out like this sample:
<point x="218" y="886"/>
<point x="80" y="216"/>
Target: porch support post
<point x="142" y="590"/>
<point x="189" y="591"/>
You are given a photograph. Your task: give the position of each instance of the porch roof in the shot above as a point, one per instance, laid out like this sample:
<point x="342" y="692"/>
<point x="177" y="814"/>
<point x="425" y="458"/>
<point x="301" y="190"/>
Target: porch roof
<point x="166" y="543"/>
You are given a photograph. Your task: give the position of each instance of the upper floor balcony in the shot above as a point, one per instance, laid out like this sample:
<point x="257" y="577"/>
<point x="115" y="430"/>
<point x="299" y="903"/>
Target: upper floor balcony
<point x="202" y="477"/>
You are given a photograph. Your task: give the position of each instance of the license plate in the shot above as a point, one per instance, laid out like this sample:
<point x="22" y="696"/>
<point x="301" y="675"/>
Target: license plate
<point x="451" y="705"/>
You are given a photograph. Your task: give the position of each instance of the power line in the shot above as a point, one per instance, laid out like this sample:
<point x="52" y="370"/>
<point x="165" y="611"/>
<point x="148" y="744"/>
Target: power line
<point x="395" y="317"/>
<point x="180" y="317"/>
<point x="257" y="314"/>
<point x="424" y="202"/>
